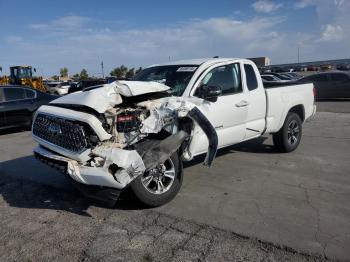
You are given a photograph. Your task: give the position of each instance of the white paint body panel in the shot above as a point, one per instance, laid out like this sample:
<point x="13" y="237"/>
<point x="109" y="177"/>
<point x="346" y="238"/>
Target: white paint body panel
<point x="83" y="174"/>
<point x="281" y="100"/>
<point x="109" y="95"/>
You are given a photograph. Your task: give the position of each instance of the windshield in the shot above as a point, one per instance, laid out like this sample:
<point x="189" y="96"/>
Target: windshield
<point x="176" y="77"/>
<point x="25" y="72"/>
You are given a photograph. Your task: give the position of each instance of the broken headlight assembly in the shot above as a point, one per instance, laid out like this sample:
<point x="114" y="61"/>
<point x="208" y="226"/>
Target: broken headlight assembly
<point x="130" y="120"/>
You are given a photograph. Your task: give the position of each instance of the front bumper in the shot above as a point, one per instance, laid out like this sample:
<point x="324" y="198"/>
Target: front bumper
<point x="98" y="176"/>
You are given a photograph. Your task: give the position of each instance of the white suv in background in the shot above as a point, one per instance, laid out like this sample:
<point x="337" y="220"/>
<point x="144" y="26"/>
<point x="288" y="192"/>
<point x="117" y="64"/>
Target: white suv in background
<point x="58" y="88"/>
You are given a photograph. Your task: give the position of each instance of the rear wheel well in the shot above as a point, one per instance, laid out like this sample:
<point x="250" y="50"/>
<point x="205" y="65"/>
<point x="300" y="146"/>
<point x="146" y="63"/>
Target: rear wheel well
<point x="299" y="110"/>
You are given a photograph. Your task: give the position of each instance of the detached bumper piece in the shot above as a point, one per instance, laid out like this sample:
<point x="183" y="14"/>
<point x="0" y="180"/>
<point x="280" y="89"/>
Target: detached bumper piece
<point x="107" y="195"/>
<point x="209" y="131"/>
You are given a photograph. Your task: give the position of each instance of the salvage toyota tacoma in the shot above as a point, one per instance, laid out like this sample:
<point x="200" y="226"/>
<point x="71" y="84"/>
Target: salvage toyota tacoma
<point x="136" y="133"/>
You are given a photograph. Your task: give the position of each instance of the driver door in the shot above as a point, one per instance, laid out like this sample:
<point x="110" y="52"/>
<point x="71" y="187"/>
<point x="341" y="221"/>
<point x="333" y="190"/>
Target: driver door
<point x="229" y="113"/>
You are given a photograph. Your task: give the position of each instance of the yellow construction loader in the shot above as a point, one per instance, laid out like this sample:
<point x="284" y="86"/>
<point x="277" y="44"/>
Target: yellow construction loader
<point x="23" y="75"/>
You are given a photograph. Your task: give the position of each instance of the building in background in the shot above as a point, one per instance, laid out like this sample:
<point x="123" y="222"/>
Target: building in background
<point x="261" y="61"/>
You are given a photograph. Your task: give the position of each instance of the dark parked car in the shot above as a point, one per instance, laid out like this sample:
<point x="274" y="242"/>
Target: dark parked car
<point x="86" y="83"/>
<point x="343" y="67"/>
<point x="329" y="85"/>
<point x="18" y="104"/>
<point x="300" y="68"/>
<point x="326" y="67"/>
<point x="281" y="76"/>
<point x="313" y="68"/>
<point x="292" y="75"/>
<point x="277" y="69"/>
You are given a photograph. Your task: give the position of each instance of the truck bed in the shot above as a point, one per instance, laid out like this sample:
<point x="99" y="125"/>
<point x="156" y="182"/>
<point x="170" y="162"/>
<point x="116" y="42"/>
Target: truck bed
<point x="279" y="84"/>
<point x="287" y="96"/>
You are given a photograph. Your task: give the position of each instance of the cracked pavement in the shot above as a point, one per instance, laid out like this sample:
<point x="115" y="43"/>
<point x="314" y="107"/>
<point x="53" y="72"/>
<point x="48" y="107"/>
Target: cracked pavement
<point x="296" y="202"/>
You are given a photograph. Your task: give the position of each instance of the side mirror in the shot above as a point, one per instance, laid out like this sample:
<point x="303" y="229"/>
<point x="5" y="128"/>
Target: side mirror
<point x="210" y="93"/>
<point x="35" y="70"/>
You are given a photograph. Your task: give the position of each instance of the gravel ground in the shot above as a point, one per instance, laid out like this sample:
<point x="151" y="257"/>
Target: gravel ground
<point x="40" y="223"/>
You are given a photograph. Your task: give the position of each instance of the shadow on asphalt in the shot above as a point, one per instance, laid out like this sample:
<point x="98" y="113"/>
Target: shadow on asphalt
<point x="26" y="194"/>
<point x="255" y="146"/>
<point x="27" y="183"/>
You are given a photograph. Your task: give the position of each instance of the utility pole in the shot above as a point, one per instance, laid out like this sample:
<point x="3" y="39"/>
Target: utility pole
<point x="103" y="73"/>
<point x="298" y="55"/>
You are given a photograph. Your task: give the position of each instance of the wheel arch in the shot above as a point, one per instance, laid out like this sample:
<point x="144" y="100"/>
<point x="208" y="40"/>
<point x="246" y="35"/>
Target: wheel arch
<point x="299" y="110"/>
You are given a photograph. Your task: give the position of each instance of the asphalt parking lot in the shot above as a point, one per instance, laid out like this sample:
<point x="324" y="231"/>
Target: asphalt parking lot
<point x="253" y="204"/>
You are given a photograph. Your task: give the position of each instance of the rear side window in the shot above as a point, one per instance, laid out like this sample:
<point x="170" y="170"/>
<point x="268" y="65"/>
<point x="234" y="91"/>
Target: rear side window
<point x="13" y="93"/>
<point x="252" y="82"/>
<point x="321" y="78"/>
<point x="339" y="77"/>
<point x="30" y="93"/>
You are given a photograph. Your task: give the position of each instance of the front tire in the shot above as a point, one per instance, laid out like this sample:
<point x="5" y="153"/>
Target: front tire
<point x="161" y="184"/>
<point x="287" y="139"/>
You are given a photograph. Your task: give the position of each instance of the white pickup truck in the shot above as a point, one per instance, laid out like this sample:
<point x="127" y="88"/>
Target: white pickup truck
<point x="137" y="133"/>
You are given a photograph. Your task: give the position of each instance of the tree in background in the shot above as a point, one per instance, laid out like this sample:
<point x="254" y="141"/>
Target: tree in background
<point x="76" y="75"/>
<point x="130" y="73"/>
<point x="138" y="70"/>
<point x="64" y="72"/>
<point x="124" y="72"/>
<point x="55" y="77"/>
<point x="119" y="72"/>
<point x="84" y="74"/>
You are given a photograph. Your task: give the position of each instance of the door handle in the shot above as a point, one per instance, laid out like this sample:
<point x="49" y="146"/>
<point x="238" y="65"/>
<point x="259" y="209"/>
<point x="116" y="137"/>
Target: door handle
<point x="242" y="103"/>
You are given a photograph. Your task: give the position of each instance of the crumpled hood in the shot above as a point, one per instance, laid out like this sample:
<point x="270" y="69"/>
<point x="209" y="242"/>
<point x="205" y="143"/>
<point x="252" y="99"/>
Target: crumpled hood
<point x="109" y="95"/>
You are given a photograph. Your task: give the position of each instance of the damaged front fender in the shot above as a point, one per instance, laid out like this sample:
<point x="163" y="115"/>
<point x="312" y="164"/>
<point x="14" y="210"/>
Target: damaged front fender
<point x="166" y="113"/>
<point x="155" y="152"/>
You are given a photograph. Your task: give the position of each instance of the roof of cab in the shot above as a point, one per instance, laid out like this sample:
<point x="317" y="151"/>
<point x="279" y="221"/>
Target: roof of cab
<point x="197" y="62"/>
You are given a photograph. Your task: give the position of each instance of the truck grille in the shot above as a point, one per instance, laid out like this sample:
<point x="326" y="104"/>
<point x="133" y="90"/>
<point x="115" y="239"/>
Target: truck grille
<point x="64" y="133"/>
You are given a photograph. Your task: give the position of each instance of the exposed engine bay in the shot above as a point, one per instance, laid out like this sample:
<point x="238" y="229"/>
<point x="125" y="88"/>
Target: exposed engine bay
<point x="119" y="131"/>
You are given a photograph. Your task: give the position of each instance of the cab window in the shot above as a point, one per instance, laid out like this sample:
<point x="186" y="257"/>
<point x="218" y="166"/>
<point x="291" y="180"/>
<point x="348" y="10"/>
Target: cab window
<point x="13" y="93"/>
<point x="227" y="77"/>
<point x="252" y="82"/>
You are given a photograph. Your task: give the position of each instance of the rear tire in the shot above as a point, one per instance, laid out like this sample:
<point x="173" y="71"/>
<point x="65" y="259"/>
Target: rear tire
<point x="159" y="193"/>
<point x="287" y="139"/>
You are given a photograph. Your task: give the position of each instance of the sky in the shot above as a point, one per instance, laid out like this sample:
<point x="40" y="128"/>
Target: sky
<point x="80" y="34"/>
